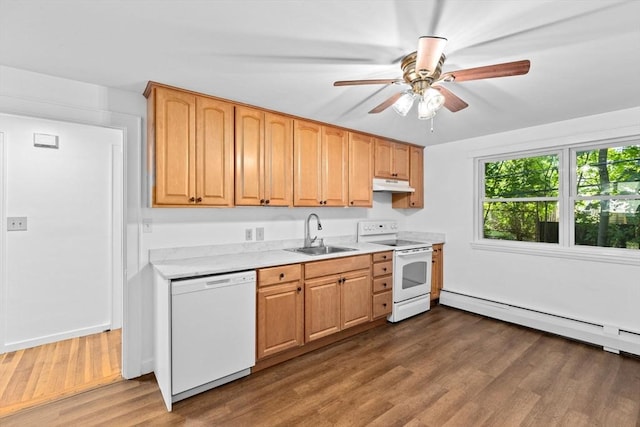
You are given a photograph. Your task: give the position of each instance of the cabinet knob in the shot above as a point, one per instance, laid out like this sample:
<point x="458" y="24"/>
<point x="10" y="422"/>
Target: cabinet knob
<point x="261" y="201"/>
<point x="384" y="285"/>
<point x="199" y="199"/>
<point x="413" y="203"/>
<point x="384" y="304"/>
<point x="266" y="202"/>
<point x="384" y="257"/>
<point x="299" y="289"/>
<point x="384" y="268"/>
<point x="352" y="202"/>
<point x="281" y="276"/>
<point x="192" y="199"/>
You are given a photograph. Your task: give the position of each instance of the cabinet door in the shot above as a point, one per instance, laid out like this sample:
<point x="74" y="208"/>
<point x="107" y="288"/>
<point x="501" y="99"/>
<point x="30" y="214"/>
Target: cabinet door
<point x="175" y="136"/>
<point x="214" y="152"/>
<point x="307" y="155"/>
<point x="401" y="161"/>
<point x="278" y="170"/>
<point x="321" y="307"/>
<point x="249" y="145"/>
<point x="360" y="170"/>
<point x="383" y="159"/>
<point x="437" y="271"/>
<point x="355" y="294"/>
<point x="335" y="164"/>
<point x="416" y="180"/>
<point x="280" y="318"/>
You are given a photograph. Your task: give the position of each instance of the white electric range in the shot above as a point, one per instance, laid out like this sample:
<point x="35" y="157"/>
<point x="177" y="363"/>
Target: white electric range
<point x="411" y="267"/>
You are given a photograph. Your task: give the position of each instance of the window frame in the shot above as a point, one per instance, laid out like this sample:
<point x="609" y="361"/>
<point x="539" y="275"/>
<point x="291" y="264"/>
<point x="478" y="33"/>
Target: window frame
<point x="567" y="195"/>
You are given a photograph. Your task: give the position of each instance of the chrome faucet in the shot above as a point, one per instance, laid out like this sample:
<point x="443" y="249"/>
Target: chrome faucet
<point x="308" y="241"/>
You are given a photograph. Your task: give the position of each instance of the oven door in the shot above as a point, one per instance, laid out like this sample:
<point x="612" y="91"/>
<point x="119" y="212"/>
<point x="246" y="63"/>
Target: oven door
<point x="411" y="273"/>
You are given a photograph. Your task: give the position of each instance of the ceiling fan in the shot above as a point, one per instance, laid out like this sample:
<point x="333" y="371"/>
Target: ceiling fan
<point x="422" y="71"/>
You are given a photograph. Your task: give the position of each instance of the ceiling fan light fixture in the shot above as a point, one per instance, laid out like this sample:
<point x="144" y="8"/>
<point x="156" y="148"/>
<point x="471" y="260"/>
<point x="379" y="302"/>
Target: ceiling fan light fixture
<point x="430" y="102"/>
<point x="404" y="103"/>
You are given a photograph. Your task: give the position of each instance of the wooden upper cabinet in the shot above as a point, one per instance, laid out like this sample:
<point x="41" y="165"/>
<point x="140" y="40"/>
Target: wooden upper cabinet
<point x="320" y="165"/>
<point x="278" y="165"/>
<point x="416" y="180"/>
<point x="193" y="137"/>
<point x="307" y="163"/>
<point x="263" y="172"/>
<point x="172" y="121"/>
<point x="335" y="166"/>
<point x="391" y="160"/>
<point x="360" y="170"/>
<point x="214" y="152"/>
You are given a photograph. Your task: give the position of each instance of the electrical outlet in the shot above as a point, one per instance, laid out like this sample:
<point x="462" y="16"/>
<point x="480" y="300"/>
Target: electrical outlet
<point x="248" y="234"/>
<point x="259" y="233"/>
<point x="17" y="223"/>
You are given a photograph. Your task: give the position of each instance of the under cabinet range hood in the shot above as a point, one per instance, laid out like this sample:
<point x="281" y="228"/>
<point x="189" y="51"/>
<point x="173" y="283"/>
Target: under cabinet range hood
<point x="392" y="185"/>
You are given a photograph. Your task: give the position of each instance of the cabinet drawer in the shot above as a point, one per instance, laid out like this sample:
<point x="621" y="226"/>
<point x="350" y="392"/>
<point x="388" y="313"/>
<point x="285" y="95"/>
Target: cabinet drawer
<point x="383" y="283"/>
<point x="279" y="274"/>
<point x="382" y="268"/>
<point x="383" y="256"/>
<point x="382" y="304"/>
<point x="336" y="266"/>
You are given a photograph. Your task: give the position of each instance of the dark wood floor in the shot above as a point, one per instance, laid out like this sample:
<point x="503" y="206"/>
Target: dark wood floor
<point x="442" y="368"/>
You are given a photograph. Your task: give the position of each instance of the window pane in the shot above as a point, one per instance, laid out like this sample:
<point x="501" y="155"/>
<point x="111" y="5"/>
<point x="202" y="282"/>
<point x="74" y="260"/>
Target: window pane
<point x="524" y="177"/>
<point x="608" y="223"/>
<point x="608" y="171"/>
<point x="522" y="221"/>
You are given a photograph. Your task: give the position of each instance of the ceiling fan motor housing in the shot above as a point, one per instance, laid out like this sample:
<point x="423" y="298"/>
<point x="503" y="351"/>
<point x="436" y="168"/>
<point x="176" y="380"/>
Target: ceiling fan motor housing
<point x="420" y="81"/>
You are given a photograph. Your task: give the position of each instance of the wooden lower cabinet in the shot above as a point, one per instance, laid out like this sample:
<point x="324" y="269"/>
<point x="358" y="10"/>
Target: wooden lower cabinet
<point x="337" y="295"/>
<point x="382" y="298"/>
<point x="280" y="310"/>
<point x="437" y="270"/>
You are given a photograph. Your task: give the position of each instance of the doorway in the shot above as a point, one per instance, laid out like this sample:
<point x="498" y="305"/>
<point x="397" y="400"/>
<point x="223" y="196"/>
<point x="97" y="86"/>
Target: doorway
<point x="61" y="248"/>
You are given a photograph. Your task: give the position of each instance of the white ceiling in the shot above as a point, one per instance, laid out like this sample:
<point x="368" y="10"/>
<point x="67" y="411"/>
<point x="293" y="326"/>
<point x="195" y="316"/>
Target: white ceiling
<point x="285" y="54"/>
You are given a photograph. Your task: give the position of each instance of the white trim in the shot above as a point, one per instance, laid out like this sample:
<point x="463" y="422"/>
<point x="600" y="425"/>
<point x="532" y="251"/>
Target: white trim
<point x="584" y="253"/>
<point x="3" y="244"/>
<point x="47" y="339"/>
<point x="566" y="247"/>
<point x="601" y="335"/>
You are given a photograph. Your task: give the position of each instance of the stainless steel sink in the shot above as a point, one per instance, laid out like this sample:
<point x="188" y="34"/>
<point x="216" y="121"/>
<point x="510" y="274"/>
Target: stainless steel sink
<point x="320" y="250"/>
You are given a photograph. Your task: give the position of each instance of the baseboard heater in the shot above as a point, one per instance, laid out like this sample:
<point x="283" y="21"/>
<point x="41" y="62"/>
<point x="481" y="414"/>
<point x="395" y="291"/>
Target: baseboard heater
<point x="610" y="337"/>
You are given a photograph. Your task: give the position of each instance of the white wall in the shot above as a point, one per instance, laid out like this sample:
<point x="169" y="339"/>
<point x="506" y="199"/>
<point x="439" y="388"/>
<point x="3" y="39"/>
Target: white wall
<point x="584" y="289"/>
<point x="58" y="273"/>
<point x="37" y="95"/>
<point x="598" y="292"/>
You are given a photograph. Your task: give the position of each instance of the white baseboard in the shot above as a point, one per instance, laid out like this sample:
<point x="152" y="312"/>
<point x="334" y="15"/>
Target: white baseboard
<point x="47" y="339"/>
<point x="147" y="366"/>
<point x="610" y="337"/>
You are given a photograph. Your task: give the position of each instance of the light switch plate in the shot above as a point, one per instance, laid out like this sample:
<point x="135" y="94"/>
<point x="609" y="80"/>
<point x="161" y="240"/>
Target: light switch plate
<point x="259" y="233"/>
<point x="17" y="223"/>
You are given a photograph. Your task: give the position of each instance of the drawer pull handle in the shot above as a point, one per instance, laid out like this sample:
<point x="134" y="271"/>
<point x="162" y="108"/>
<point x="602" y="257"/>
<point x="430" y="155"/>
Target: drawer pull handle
<point x="281" y="276"/>
<point x="384" y="304"/>
<point x="384" y="285"/>
<point x="384" y="269"/>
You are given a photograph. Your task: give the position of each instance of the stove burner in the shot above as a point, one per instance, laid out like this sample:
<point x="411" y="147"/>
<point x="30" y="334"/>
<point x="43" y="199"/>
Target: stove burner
<point x="398" y="242"/>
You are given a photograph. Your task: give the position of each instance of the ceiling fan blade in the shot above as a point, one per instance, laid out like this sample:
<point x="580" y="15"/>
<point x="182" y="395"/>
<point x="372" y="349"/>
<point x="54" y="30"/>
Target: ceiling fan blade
<point x="451" y="101"/>
<point x="490" y="71"/>
<point x="366" y="82"/>
<point x="429" y="52"/>
<point x="386" y="104"/>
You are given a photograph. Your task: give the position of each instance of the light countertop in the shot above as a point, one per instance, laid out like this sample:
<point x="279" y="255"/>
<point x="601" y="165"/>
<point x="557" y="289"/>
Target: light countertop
<point x="175" y="263"/>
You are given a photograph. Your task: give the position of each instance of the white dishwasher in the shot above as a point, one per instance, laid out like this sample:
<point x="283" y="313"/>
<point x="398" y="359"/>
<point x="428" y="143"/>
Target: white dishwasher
<point x="213" y="332"/>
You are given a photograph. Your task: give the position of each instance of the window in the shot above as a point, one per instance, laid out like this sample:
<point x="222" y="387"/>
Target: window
<point x="521" y="199"/>
<point x="606" y="197"/>
<point x="576" y="196"/>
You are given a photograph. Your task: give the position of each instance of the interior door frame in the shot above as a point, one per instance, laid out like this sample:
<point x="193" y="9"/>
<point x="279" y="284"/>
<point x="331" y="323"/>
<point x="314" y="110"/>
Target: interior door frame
<point x="118" y="235"/>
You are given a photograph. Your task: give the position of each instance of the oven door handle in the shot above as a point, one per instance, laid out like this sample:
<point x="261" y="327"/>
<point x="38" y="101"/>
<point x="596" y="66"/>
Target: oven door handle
<point x="413" y="252"/>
